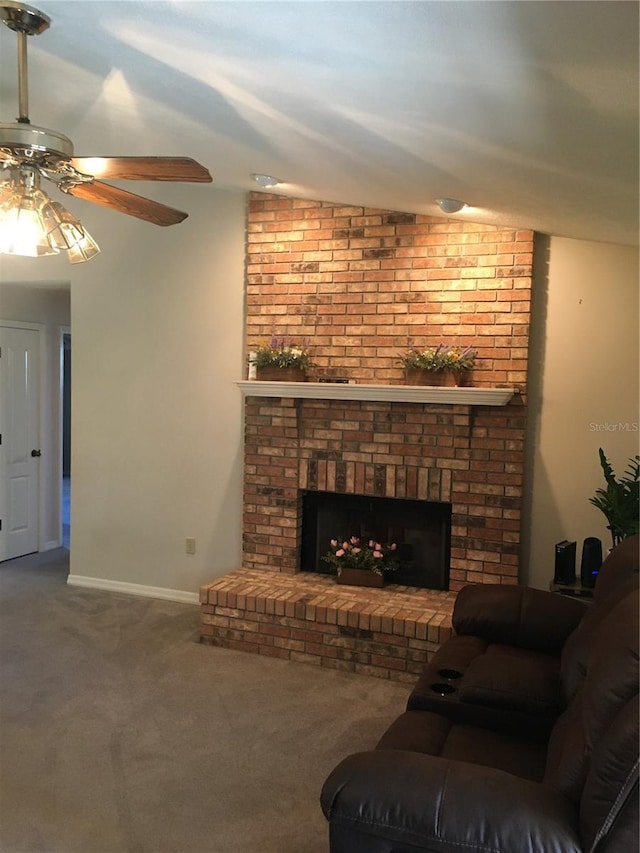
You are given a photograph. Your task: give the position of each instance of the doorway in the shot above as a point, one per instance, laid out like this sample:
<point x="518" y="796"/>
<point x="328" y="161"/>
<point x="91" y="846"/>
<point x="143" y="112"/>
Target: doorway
<point x="20" y="361"/>
<point x="65" y="381"/>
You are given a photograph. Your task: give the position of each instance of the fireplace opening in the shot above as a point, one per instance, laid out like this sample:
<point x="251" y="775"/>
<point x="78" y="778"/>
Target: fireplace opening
<point x="420" y="529"/>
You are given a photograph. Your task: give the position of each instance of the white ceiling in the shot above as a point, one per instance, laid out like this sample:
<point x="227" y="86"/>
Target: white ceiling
<point x="526" y="110"/>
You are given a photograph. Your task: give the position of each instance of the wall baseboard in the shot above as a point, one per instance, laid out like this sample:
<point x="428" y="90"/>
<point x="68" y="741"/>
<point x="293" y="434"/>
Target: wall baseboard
<point x="135" y="589"/>
<point x="50" y="544"/>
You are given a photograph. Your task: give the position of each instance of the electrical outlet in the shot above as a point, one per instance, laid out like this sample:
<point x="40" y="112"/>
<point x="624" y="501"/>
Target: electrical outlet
<point x="190" y="545"/>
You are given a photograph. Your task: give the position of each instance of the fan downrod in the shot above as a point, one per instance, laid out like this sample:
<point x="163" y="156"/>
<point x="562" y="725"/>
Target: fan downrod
<point x="23" y="19"/>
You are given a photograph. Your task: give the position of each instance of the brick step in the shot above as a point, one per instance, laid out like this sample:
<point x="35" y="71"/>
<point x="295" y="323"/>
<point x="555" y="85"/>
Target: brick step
<point x="388" y="633"/>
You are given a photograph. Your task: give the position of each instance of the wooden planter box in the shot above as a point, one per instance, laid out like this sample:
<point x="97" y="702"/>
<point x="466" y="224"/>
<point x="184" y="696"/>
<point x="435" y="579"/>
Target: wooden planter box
<point x="360" y="577"/>
<point x="281" y="374"/>
<point x="415" y="376"/>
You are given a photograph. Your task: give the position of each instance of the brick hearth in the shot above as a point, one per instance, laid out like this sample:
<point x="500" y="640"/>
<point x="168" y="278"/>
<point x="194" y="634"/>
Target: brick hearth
<point x="388" y="633"/>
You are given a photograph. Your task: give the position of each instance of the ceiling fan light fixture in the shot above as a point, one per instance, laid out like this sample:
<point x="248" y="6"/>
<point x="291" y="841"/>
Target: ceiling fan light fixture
<point x="63" y="229"/>
<point x="265" y="180"/>
<point x="22" y="228"/>
<point x="450" y="205"/>
<point x="68" y="234"/>
<point x="84" y="250"/>
<point x="22" y="233"/>
<point x="33" y="226"/>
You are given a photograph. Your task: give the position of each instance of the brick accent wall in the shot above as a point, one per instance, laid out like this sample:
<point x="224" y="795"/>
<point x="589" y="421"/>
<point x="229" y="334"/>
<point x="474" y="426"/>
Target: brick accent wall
<point x="362" y="285"/>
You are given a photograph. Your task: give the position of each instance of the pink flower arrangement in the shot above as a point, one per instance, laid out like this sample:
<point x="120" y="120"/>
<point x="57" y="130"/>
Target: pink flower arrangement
<point x="352" y="553"/>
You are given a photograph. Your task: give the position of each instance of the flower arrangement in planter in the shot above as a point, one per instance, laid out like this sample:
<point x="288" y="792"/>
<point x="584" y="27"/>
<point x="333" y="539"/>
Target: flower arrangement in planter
<point x="282" y="360"/>
<point x="360" y="563"/>
<point x="620" y="500"/>
<point x="441" y="365"/>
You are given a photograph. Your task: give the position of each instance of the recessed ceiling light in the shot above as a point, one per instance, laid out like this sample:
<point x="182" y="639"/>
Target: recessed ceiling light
<point x="265" y="180"/>
<point x="450" y="205"/>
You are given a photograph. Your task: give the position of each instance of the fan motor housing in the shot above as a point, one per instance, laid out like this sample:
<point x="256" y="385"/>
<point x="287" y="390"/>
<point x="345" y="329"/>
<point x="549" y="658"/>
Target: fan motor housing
<point x="28" y="142"/>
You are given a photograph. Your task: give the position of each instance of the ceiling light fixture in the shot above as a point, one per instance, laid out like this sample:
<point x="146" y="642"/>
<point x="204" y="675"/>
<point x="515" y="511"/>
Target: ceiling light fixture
<point x="31" y="224"/>
<point x="265" y="180"/>
<point x="450" y="205"/>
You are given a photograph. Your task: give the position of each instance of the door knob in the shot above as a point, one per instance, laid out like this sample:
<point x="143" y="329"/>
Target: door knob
<point x="36" y="453"/>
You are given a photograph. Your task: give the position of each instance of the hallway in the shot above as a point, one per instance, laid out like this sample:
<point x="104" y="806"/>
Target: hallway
<point x="66" y="512"/>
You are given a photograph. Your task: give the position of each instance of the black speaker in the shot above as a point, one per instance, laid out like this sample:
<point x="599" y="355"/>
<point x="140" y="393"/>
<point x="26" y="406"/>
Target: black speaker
<point x="565" y="571"/>
<point x="591" y="561"/>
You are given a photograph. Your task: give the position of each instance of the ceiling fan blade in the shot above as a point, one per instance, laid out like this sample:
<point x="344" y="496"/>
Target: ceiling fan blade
<point x="126" y="202"/>
<point x="143" y="168"/>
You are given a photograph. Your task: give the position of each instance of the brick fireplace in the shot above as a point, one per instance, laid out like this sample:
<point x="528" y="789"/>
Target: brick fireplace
<point x="420" y="451"/>
<point x="362" y="285"/>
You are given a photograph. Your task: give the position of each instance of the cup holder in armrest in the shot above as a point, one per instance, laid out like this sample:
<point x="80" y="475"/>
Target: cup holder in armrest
<point x="449" y="673"/>
<point x="443" y="689"/>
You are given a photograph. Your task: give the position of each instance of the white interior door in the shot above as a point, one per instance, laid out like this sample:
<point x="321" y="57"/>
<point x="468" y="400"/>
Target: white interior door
<point x="20" y="442"/>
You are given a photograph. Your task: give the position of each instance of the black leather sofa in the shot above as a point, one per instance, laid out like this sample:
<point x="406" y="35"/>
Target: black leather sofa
<point x="533" y="748"/>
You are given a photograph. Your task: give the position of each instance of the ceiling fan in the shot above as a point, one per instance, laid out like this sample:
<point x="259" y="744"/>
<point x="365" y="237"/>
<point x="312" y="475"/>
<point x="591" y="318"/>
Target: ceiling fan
<point x="28" y="153"/>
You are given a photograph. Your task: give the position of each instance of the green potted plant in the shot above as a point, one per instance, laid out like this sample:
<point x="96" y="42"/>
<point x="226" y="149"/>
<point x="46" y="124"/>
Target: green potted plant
<point x="361" y="563"/>
<point x="282" y="361"/>
<point x="441" y="365"/>
<point x="619" y="500"/>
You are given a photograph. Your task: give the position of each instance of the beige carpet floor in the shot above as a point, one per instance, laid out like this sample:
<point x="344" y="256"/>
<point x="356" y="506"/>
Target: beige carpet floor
<point x="121" y="733"/>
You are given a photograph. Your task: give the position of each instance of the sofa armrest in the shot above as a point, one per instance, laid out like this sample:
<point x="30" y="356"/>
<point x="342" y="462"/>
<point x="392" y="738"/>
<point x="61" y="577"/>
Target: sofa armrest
<point x="517" y="616"/>
<point x="401" y="802"/>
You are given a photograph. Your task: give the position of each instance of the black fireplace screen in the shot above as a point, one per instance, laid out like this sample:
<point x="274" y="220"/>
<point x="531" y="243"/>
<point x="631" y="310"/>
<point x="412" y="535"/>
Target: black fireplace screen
<point x="420" y="529"/>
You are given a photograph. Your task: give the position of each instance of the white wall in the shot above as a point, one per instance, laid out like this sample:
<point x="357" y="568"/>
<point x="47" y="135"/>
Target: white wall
<point x="157" y="332"/>
<point x="157" y="328"/>
<point x="48" y="304"/>
<point x="583" y="392"/>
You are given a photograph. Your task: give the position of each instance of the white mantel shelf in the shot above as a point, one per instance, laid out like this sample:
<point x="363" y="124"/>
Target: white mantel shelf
<point x="379" y="393"/>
